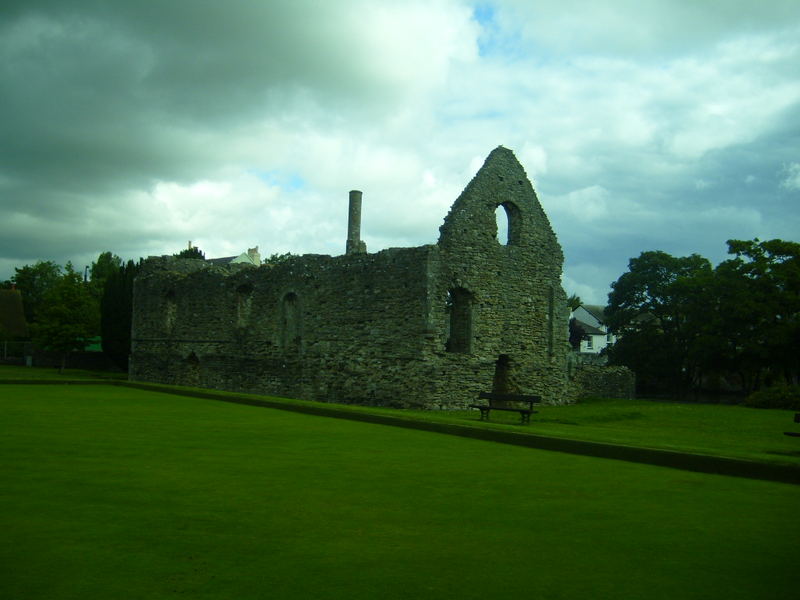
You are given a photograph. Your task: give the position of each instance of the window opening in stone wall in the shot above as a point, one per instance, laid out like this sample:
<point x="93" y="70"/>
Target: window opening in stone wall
<point x="244" y="301"/>
<point x="508" y="223"/>
<point x="459" y="305"/>
<point x="170" y="310"/>
<point x="290" y="318"/>
<point x="192" y="369"/>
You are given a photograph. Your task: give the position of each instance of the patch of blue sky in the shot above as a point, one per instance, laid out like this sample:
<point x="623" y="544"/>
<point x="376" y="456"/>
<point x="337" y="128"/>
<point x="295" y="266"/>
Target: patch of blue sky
<point x="498" y="40"/>
<point x="489" y="38"/>
<point x="290" y="182"/>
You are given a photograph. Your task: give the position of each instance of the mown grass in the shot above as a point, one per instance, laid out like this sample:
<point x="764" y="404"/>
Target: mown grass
<point x="713" y="429"/>
<point x="109" y="492"/>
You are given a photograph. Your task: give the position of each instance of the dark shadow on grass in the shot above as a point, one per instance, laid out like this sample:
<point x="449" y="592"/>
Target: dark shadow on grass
<point x="664" y="458"/>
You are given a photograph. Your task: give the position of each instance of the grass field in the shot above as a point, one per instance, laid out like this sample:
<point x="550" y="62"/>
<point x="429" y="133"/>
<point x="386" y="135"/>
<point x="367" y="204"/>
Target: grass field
<point x="719" y="430"/>
<point x="109" y="492"/>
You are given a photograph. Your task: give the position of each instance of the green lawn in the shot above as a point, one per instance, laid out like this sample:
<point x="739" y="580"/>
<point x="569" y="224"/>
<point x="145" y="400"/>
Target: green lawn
<point x="108" y="492"/>
<point x="720" y="430"/>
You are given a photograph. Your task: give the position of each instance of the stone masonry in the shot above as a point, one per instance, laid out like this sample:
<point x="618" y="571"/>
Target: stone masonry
<point x="430" y="326"/>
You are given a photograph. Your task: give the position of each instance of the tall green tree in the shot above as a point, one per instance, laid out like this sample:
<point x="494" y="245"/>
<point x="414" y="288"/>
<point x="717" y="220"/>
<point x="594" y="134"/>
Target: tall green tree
<point x="758" y="304"/>
<point x="101" y="269"/>
<point x="34" y="282"/>
<point x="116" y="311"/>
<point x="653" y="309"/>
<point x="67" y="317"/>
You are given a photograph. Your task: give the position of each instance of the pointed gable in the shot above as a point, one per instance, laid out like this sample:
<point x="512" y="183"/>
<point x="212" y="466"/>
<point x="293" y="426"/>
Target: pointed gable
<point x="500" y="182"/>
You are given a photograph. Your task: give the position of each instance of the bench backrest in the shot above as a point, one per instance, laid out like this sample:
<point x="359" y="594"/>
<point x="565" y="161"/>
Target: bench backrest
<point x="505" y="399"/>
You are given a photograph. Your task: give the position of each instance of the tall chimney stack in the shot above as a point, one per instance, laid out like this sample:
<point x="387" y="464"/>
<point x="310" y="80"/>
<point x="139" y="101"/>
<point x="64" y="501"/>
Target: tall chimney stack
<point x="354" y="243"/>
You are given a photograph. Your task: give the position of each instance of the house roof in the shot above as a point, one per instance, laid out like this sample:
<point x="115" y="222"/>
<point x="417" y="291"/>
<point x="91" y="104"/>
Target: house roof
<point x="12" y="317"/>
<point x="244" y="258"/>
<point x="589" y="329"/>
<point x="596" y="310"/>
<point x="220" y="262"/>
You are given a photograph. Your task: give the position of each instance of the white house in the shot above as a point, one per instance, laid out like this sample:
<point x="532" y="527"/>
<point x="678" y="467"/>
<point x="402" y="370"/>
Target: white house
<point x="591" y="318"/>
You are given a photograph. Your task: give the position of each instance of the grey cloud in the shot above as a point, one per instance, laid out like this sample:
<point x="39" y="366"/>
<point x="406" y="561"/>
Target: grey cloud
<point x="101" y="101"/>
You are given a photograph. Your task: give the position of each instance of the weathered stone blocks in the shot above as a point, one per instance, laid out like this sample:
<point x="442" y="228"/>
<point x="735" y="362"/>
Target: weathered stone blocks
<point x="430" y="326"/>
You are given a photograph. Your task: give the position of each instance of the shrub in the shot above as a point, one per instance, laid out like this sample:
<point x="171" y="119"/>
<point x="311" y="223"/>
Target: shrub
<point x="779" y="396"/>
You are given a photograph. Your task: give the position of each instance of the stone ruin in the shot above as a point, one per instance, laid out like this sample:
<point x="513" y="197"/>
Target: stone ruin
<point x="426" y="327"/>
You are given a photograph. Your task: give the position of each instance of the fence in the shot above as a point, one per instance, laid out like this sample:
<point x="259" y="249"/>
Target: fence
<point x="14" y="350"/>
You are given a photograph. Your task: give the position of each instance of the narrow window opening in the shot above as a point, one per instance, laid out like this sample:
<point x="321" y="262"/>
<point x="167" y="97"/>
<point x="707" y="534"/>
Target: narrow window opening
<point x="459" y="305"/>
<point x="508" y="219"/>
<point x="192" y="369"/>
<point x="291" y="321"/>
<point x="170" y="310"/>
<point x="501" y="217"/>
<point x="244" y="301"/>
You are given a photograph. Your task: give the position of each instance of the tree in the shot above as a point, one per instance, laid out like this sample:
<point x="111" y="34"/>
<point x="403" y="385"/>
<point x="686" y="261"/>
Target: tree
<point x="116" y="312"/>
<point x="67" y="316"/>
<point x="191" y="252"/>
<point x="576" y="334"/>
<point x="759" y="310"/>
<point x="574" y="301"/>
<point x="276" y="259"/>
<point x="653" y="310"/>
<point x="34" y="282"/>
<point x="106" y="264"/>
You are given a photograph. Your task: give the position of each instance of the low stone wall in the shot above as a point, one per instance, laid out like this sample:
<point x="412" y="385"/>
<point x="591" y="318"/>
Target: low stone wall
<point x="604" y="382"/>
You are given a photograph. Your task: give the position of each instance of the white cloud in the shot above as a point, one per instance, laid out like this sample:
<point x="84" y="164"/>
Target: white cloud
<point x="247" y="123"/>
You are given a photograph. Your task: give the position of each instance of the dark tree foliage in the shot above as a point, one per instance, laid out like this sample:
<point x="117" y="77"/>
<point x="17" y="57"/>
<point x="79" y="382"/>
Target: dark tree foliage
<point x="192" y="252"/>
<point x="116" y="310"/>
<point x="276" y="259"/>
<point x="680" y="323"/>
<point x="34" y="282"/>
<point x="576" y="334"/>
<point x="650" y="310"/>
<point x="574" y="301"/>
<point x="759" y="298"/>
<point x="106" y="264"/>
<point x="67" y="317"/>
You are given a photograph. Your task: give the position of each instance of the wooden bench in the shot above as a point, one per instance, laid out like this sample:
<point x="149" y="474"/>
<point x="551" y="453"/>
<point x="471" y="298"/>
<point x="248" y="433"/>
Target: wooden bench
<point x="794" y="433"/>
<point x="502" y="401"/>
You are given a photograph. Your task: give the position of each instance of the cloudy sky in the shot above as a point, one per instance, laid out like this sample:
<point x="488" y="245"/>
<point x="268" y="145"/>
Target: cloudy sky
<point x="136" y="126"/>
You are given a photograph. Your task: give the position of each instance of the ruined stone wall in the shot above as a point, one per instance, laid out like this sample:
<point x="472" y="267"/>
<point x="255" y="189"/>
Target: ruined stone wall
<point x="347" y="329"/>
<point x="430" y="326"/>
<point x="602" y="381"/>
<point x="519" y="307"/>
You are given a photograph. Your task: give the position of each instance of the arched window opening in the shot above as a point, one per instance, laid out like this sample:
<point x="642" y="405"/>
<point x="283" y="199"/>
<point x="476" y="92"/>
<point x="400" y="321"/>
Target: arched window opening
<point x="459" y="305"/>
<point x="290" y="321"/>
<point x="244" y="301"/>
<point x="508" y="220"/>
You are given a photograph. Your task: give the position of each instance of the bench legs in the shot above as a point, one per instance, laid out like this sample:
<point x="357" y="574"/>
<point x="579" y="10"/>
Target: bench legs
<point x="524" y="416"/>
